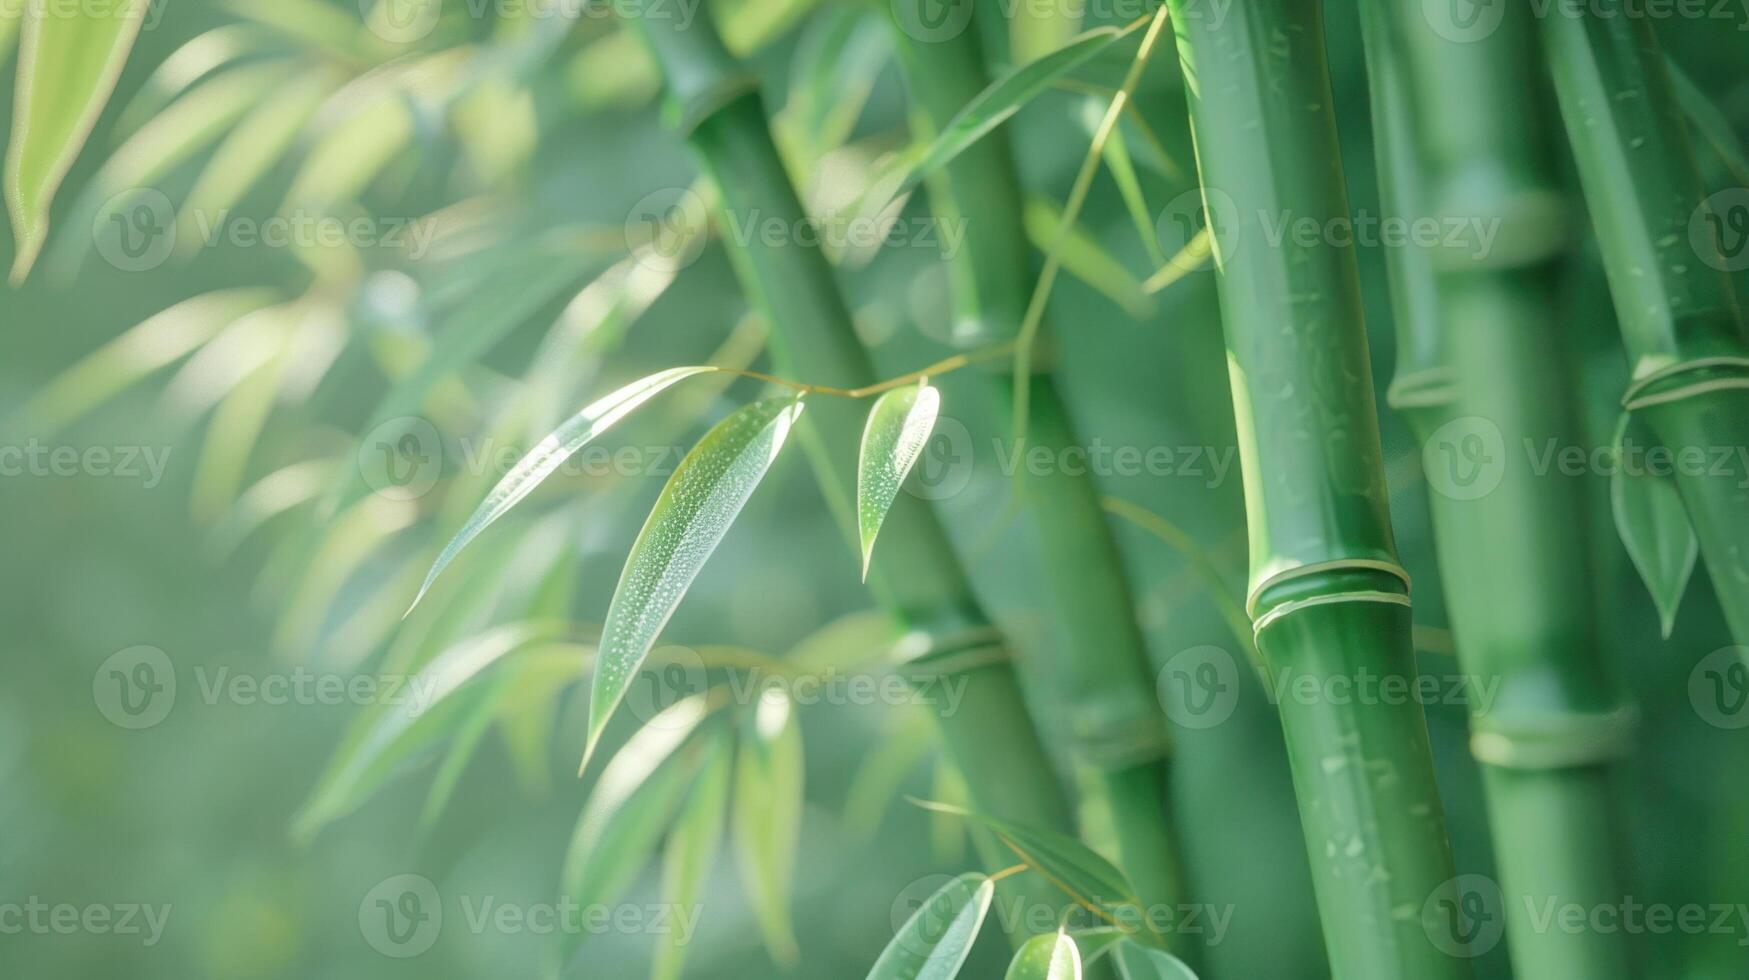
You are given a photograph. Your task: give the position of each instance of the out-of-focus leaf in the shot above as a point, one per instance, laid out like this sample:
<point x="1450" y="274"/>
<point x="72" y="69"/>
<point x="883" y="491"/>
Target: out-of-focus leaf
<point x="528" y="711"/>
<point x="350" y="155"/>
<point x="632" y="805"/>
<point x="988" y="109"/>
<point x="1092" y="881"/>
<point x="1653" y="525"/>
<point x="838" y="60"/>
<point x="69" y="58"/>
<point x="898" y="428"/>
<point x="845" y="643"/>
<point x="469" y="734"/>
<point x="274" y="494"/>
<point x="947" y="833"/>
<point x="10" y="17"/>
<point x="1138" y="962"/>
<point x="691" y="850"/>
<point x="1094" y="943"/>
<point x="933" y="944"/>
<point x="749" y="25"/>
<point x="878" y="781"/>
<point x="1710" y="123"/>
<point x="1050" y="956"/>
<point x="194" y="61"/>
<point x="1085" y="258"/>
<point x="423" y="713"/>
<point x="232" y="435"/>
<point x="189" y="125"/>
<point x="322" y="25"/>
<point x="258" y="142"/>
<point x="542" y="461"/>
<point x="768" y="817"/>
<point x="702" y="498"/>
<point x="124" y="361"/>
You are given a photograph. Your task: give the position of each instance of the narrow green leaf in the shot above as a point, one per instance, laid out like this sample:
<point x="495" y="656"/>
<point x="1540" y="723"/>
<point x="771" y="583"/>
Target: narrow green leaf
<point x="1138" y="962"/>
<point x="1712" y="124"/>
<point x="768" y="817"/>
<point x="1129" y="184"/>
<point x="469" y="734"/>
<point x="990" y="108"/>
<point x="702" y="498"/>
<point x="1051" y="956"/>
<point x="1085" y="258"/>
<point x="898" y="428"/>
<point x="692" y="847"/>
<point x="69" y="58"/>
<point x="933" y="944"/>
<point x="393" y="734"/>
<point x="545" y="459"/>
<point x="632" y="806"/>
<point x="1092" y="881"/>
<point x="1094" y="943"/>
<point x="1653" y="525"/>
<point x="878" y="780"/>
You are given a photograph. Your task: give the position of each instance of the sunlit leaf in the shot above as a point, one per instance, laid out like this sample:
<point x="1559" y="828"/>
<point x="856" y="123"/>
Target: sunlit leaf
<point x="1653" y="524"/>
<point x="692" y="848"/>
<point x="542" y="461"/>
<point x="632" y="805"/>
<point x="898" y="428"/>
<point x="1051" y="956"/>
<point x="990" y="108"/>
<point x="69" y="58"/>
<point x="846" y="643"/>
<point x="768" y="817"/>
<point x="702" y="498"/>
<point x="199" y="58"/>
<point x="129" y="358"/>
<point x="423" y="711"/>
<point x="1138" y="962"/>
<point x="934" y="943"/>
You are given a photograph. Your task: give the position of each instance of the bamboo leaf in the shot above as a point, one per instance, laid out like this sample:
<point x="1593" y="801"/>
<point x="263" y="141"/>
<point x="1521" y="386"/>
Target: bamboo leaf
<point x="933" y="944"/>
<point x="1138" y="962"/>
<point x="1051" y="956"/>
<point x="1129" y="184"/>
<point x="898" y="428"/>
<point x="632" y="806"/>
<point x="1712" y="124"/>
<point x="1092" y="881"/>
<point x="397" y="732"/>
<point x="692" y="847"/>
<point x="552" y="452"/>
<point x="69" y="58"/>
<point x="990" y="108"/>
<point x="768" y="817"/>
<point x="702" y="498"/>
<point x="1654" y="527"/>
<point x="1094" y="943"/>
<point x="1085" y="258"/>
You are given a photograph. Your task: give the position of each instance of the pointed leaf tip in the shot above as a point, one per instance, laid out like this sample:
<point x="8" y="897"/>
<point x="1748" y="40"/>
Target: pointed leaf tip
<point x="938" y="937"/>
<point x="546" y="458"/>
<point x="1050" y="956"/>
<point x="693" y="513"/>
<point x="898" y="429"/>
<point x="1654" y="527"/>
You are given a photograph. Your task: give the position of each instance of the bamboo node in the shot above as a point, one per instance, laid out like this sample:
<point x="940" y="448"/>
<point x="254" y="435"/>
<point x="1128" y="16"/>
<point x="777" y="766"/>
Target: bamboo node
<point x="1557" y="741"/>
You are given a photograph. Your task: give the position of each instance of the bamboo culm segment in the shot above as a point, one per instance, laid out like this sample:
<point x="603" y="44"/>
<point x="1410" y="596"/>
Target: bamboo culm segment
<point x="1479" y="356"/>
<point x="1327" y="593"/>
<point x="1112" y="717"/>
<point x="991" y="738"/>
<point x="1679" y="316"/>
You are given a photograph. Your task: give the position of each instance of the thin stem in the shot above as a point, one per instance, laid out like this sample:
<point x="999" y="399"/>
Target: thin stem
<point x="1047" y="279"/>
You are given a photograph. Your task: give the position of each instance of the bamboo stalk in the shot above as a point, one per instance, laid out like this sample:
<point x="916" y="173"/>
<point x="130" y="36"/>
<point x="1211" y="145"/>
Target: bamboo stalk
<point x="919" y="580"/>
<point x="1476" y="349"/>
<point x="1327" y="595"/>
<point x="1114" y="724"/>
<point x="1679" y="316"/>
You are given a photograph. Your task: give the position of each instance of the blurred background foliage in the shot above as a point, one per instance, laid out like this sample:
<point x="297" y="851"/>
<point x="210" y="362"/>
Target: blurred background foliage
<point x="522" y="143"/>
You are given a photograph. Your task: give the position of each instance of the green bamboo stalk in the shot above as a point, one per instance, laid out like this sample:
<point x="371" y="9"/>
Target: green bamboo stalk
<point x="1327" y="595"/>
<point x="1679" y="316"/>
<point x="990" y="738"/>
<point x="1477" y="358"/>
<point x="1114" y="723"/>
